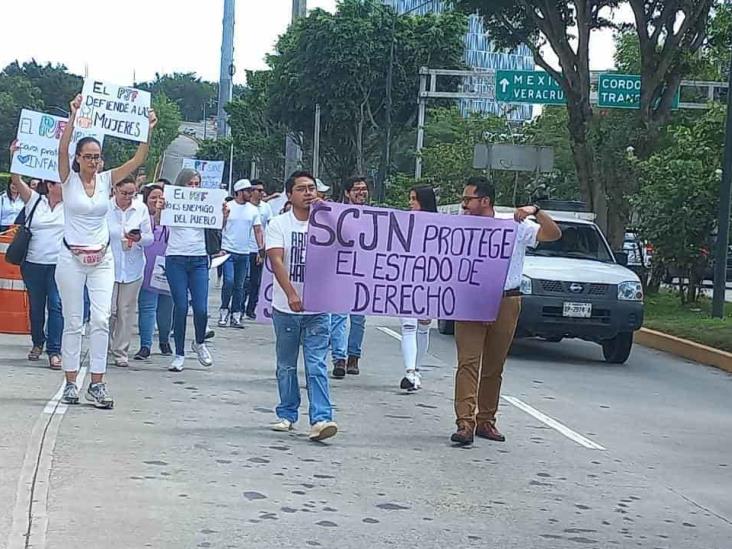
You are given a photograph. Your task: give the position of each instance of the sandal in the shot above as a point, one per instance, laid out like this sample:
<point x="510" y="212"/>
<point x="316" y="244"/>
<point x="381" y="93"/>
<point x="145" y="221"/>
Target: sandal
<point x="54" y="362"/>
<point x="35" y="353"/>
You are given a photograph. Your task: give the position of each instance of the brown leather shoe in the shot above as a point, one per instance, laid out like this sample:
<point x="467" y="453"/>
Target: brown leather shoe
<point x="339" y="369"/>
<point x="463" y="436"/>
<point x="489" y="431"/>
<point x="352" y="367"/>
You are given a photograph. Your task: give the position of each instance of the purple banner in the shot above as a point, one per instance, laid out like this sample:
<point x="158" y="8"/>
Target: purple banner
<point x="381" y="262"/>
<point x="264" y="303"/>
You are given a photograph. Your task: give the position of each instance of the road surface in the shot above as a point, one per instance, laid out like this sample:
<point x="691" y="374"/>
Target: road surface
<point x="597" y="456"/>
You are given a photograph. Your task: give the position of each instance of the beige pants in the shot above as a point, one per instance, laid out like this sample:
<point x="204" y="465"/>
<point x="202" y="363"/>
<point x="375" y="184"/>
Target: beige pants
<point x="482" y="348"/>
<point x="124" y="307"/>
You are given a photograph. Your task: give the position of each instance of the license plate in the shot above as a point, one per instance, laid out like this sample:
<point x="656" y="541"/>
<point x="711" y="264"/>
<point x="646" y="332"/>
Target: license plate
<point x="578" y="310"/>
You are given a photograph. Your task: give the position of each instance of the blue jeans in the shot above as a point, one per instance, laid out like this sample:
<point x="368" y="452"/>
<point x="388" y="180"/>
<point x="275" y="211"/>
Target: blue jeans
<point x="236" y="270"/>
<point x="186" y="274"/>
<point x="342" y="345"/>
<point x="310" y="331"/>
<point x="43" y="294"/>
<point x="152" y="307"/>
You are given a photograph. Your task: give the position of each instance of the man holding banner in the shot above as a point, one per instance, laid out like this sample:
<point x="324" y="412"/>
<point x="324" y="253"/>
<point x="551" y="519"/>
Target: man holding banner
<point x="483" y="346"/>
<point x="293" y="326"/>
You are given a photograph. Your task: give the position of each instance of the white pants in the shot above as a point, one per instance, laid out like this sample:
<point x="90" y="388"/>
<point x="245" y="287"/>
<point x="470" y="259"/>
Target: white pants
<point x="71" y="276"/>
<point x="122" y="320"/>
<point x="415" y="343"/>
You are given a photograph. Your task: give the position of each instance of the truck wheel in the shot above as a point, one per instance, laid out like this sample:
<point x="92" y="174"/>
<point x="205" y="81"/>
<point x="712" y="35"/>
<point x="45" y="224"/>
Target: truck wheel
<point x="617" y="350"/>
<point x="446" y="327"/>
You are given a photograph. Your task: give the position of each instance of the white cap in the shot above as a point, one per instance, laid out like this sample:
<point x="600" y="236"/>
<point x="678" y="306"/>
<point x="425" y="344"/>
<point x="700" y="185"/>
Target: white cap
<point x="322" y="187"/>
<point x="242" y="185"/>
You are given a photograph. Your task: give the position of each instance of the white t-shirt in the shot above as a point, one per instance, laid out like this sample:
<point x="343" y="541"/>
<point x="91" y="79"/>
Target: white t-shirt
<point x="265" y="214"/>
<point x="47" y="227"/>
<point x="289" y="233"/>
<point x="186" y="241"/>
<point x="526" y="234"/>
<point x="9" y="209"/>
<point x="129" y="264"/>
<point x="86" y="217"/>
<point x="239" y="227"/>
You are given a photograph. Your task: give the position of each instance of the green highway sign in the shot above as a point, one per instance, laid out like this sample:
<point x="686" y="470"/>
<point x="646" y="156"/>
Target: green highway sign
<point x="535" y="87"/>
<point x="622" y="91"/>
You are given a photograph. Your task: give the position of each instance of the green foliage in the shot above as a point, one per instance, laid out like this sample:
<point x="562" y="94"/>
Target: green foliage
<point x="16" y="93"/>
<point x="679" y="195"/>
<point x="56" y="84"/>
<point x="192" y="95"/>
<point x="339" y="61"/>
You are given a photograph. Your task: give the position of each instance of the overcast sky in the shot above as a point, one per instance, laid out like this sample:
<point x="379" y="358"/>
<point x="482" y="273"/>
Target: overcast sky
<point x="117" y="39"/>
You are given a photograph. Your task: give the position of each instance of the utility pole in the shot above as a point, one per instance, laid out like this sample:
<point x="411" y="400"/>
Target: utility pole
<point x="316" y="143"/>
<point x="227" y="70"/>
<point x="725" y="202"/>
<point x="293" y="153"/>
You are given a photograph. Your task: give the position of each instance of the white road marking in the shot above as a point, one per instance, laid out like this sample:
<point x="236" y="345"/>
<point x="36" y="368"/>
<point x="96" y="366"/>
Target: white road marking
<point x="553" y="423"/>
<point x="390" y="332"/>
<point x="521" y="405"/>
<point x="30" y="514"/>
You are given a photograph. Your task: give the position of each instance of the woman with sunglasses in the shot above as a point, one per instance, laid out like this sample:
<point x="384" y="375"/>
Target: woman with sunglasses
<point x="39" y="268"/>
<point x="85" y="257"/>
<point x="130" y="231"/>
<point x="415" y="331"/>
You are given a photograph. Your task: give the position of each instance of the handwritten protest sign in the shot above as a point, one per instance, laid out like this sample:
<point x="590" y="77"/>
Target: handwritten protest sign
<point x="212" y="171"/>
<point x="375" y="261"/>
<point x="114" y="110"/>
<point x="193" y="207"/>
<point x="38" y="138"/>
<point x="264" y="303"/>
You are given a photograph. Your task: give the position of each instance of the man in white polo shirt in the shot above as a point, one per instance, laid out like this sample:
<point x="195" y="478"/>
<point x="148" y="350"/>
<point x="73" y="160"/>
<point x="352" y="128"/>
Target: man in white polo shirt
<point x="483" y="346"/>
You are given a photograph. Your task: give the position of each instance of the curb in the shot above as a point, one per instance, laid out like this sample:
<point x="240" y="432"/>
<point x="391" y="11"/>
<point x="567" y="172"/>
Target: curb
<point x="684" y="349"/>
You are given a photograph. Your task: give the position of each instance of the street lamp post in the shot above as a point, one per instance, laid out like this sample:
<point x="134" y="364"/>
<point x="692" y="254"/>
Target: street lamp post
<point x="725" y="200"/>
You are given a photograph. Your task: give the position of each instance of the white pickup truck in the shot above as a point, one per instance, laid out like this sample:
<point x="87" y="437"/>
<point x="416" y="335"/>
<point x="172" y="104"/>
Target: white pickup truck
<point x="577" y="287"/>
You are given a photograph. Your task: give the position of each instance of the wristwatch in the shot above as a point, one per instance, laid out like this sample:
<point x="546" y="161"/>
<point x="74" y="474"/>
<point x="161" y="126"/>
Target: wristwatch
<point x="538" y="209"/>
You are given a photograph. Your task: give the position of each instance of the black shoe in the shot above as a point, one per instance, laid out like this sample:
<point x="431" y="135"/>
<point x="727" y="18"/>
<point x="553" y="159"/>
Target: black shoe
<point x="406" y="385"/>
<point x="166" y="349"/>
<point x="143" y="353"/>
<point x="463" y="436"/>
<point x="209" y="335"/>
<point x="251" y="316"/>
<point x="339" y="369"/>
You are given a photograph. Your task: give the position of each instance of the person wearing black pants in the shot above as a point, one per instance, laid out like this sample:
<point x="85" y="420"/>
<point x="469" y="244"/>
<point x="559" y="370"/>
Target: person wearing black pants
<point x="256" y="255"/>
<point x="256" y="264"/>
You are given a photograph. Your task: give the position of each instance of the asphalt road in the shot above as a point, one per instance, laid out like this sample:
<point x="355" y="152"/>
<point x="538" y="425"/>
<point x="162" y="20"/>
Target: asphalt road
<point x="597" y="456"/>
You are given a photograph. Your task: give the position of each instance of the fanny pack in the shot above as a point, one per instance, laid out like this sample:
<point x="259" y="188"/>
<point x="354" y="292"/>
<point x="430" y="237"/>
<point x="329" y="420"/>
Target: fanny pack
<point x="88" y="257"/>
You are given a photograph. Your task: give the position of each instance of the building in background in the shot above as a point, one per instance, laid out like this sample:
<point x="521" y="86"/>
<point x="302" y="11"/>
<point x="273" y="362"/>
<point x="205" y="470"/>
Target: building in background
<point x="480" y="54"/>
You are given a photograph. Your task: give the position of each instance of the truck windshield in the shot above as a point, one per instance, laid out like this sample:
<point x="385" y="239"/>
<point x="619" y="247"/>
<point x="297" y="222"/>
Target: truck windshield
<point x="579" y="241"/>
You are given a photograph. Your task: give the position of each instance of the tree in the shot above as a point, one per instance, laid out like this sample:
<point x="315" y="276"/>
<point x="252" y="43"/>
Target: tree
<point x="16" y="93"/>
<point x="679" y="195"/>
<point x="669" y="31"/>
<point x="338" y="61"/>
<point x="192" y="95"/>
<point x="57" y="85"/>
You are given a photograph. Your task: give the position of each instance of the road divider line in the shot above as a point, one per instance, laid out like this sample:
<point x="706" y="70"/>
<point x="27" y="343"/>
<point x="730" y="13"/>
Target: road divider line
<point x="553" y="423"/>
<point x="390" y="332"/>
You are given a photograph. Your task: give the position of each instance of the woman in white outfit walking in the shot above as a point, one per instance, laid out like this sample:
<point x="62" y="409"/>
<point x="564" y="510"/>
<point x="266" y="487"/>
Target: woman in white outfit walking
<point x="416" y="332"/>
<point x="86" y="258"/>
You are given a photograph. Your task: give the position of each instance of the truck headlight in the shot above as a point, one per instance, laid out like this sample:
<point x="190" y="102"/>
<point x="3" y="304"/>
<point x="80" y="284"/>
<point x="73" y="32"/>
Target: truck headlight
<point x="525" y="285"/>
<point x="630" y="291"/>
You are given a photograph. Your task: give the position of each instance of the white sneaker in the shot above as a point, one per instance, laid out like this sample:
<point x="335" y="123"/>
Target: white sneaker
<point x="177" y="364"/>
<point x="204" y="357"/>
<point x="322" y="430"/>
<point x="283" y="425"/>
<point x="223" y="318"/>
<point x="417" y="379"/>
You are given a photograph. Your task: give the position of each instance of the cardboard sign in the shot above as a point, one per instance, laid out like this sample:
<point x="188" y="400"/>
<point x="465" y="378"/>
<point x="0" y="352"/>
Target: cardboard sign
<point x="114" y="110"/>
<point x="193" y="207"/>
<point x="212" y="171"/>
<point x="375" y="261"/>
<point x="38" y="138"/>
